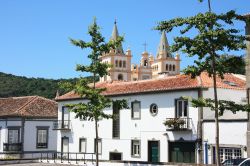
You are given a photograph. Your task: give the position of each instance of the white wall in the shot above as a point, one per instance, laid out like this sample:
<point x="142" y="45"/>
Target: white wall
<point x="232" y="132"/>
<point x="30" y="132"/>
<point x="147" y="128"/>
<point x="30" y="135"/>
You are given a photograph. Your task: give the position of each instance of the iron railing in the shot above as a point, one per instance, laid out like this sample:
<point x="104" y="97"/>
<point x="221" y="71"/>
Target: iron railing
<point x="178" y="123"/>
<point x="12" y="147"/>
<point x="62" y="125"/>
<point x="49" y="156"/>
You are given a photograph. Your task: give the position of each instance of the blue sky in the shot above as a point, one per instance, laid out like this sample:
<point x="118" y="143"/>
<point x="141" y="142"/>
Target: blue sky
<point x="34" y="35"/>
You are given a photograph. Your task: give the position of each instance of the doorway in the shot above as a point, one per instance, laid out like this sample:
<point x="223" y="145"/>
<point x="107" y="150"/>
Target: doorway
<point x="182" y="152"/>
<point x="153" y="151"/>
<point x="65" y="145"/>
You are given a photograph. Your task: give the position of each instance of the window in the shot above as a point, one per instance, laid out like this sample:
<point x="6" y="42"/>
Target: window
<point x="116" y="63"/>
<point x="82" y="145"/>
<point x="153" y="109"/>
<point x="116" y="122"/>
<point x="120" y="63"/>
<point x="136" y="110"/>
<point x="120" y="77"/>
<point x="246" y="163"/>
<point x="99" y="146"/>
<point x="166" y="67"/>
<point x="145" y="63"/>
<point x="42" y="137"/>
<point x="229" y="153"/>
<point x="170" y="67"/>
<point x="124" y="64"/>
<point x="173" y="67"/>
<point x="135" y="148"/>
<point x="115" y="156"/>
<point x="181" y="108"/>
<point x="13" y="135"/>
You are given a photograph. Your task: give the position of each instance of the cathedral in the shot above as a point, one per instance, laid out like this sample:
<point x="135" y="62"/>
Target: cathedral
<point x="162" y="65"/>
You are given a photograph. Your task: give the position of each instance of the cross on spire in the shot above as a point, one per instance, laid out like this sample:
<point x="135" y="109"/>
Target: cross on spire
<point x="145" y="46"/>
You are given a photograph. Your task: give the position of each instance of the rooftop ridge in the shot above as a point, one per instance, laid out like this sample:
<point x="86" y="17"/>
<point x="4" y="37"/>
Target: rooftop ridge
<point x="26" y="104"/>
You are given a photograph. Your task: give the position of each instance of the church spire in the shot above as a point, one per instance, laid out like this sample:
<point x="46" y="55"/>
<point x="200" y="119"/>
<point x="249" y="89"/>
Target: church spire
<point x="115" y="36"/>
<point x="163" y="49"/>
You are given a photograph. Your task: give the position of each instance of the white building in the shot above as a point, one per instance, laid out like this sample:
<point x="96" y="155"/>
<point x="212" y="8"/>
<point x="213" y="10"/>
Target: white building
<point x="139" y="134"/>
<point x="27" y="125"/>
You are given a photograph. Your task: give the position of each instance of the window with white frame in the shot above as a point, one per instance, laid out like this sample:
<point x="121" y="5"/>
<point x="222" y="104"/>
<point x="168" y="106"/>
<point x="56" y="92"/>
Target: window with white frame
<point x="135" y="148"/>
<point x="136" y="109"/>
<point x="229" y="153"/>
<point x="82" y="145"/>
<point x="13" y="135"/>
<point x="181" y="107"/>
<point x="42" y="137"/>
<point x="99" y="142"/>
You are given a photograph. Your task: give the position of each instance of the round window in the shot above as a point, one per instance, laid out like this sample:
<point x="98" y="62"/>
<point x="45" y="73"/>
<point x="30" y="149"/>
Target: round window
<point x="153" y="109"/>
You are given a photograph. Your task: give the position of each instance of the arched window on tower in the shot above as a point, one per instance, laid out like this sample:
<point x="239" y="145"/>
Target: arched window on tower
<point x="173" y="67"/>
<point x="145" y="63"/>
<point x="170" y="67"/>
<point x="124" y="64"/>
<point x="120" y="77"/>
<point x="166" y="67"/>
<point x="116" y="63"/>
<point x="120" y="63"/>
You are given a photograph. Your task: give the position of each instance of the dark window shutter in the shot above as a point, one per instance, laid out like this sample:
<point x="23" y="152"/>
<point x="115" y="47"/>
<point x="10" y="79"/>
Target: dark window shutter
<point x="175" y="106"/>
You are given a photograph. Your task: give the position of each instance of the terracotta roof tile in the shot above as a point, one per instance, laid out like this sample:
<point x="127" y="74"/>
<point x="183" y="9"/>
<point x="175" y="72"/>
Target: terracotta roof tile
<point x="163" y="84"/>
<point x="28" y="106"/>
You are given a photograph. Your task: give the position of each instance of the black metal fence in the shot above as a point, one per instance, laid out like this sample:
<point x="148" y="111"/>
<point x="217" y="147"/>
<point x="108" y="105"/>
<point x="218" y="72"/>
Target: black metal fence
<point x="49" y="156"/>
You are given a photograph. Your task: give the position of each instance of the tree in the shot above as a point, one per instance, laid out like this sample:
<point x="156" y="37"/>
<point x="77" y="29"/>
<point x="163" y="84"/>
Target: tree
<point x="92" y="109"/>
<point x="214" y="33"/>
<point x="233" y="64"/>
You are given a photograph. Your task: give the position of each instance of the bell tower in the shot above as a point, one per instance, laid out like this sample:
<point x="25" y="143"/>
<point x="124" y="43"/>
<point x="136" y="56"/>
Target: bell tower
<point x="121" y="63"/>
<point x="165" y="63"/>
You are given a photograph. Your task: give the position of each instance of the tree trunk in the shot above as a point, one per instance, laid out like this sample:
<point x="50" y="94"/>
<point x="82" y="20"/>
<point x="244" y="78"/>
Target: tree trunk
<point x="217" y="154"/>
<point x="96" y="143"/>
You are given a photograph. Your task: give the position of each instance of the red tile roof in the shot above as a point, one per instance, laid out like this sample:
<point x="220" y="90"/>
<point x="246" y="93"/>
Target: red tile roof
<point x="178" y="82"/>
<point x="28" y="106"/>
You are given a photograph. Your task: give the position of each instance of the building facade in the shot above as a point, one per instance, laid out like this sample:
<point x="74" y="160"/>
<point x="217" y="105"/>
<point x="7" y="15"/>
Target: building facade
<point x="138" y="134"/>
<point x="27" y="125"/>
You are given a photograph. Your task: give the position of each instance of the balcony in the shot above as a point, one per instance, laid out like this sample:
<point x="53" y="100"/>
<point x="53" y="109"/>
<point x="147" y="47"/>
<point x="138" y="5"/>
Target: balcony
<point x="62" y="125"/>
<point x="12" y="147"/>
<point x="178" y="124"/>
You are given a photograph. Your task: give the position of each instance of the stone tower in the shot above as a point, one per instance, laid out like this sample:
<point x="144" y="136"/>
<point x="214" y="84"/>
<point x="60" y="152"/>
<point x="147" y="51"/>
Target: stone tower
<point x="121" y="63"/>
<point x="165" y="63"/>
<point x="144" y="70"/>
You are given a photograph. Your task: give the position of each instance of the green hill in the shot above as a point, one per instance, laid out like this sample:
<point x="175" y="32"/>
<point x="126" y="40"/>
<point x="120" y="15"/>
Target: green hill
<point x="11" y="85"/>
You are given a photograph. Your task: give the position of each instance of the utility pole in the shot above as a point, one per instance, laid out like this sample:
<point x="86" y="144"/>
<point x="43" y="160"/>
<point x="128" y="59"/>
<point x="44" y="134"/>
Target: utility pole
<point x="248" y="81"/>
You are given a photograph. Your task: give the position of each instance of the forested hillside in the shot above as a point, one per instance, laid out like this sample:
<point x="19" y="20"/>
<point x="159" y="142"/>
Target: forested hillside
<point x="11" y="85"/>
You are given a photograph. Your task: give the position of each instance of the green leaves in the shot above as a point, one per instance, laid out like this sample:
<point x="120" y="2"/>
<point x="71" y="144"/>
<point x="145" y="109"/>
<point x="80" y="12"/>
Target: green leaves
<point x="95" y="102"/>
<point x="214" y="34"/>
<point x="223" y="105"/>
